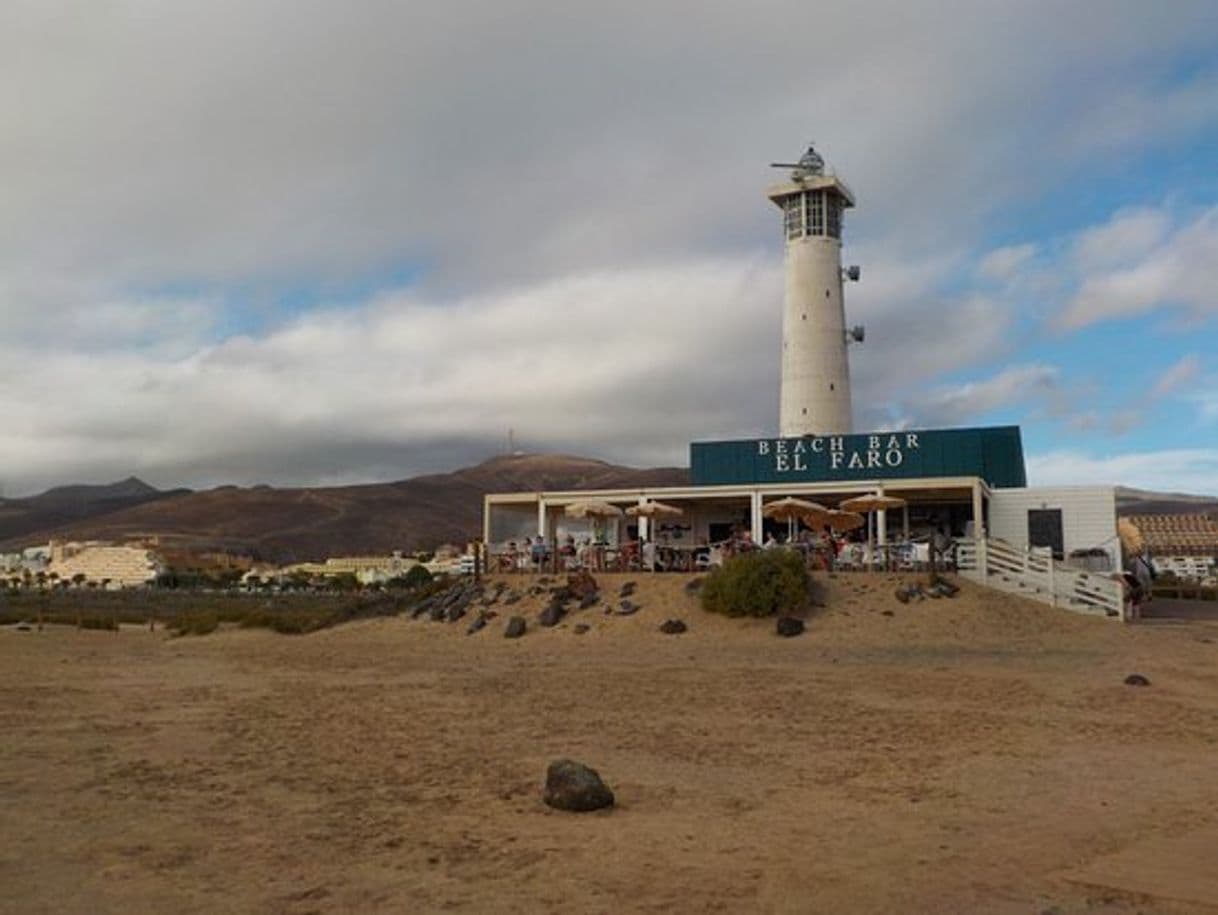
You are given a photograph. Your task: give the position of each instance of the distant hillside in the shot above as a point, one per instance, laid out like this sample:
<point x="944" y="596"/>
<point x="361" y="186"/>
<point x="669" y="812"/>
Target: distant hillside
<point x="288" y="525"/>
<point x="1144" y="502"/>
<point x="69" y="504"/>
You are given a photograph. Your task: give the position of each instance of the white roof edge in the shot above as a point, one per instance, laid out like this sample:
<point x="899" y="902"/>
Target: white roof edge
<point x="741" y="489"/>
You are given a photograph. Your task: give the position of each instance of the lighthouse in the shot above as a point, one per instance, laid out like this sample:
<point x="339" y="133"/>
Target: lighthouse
<point x="814" y="397"/>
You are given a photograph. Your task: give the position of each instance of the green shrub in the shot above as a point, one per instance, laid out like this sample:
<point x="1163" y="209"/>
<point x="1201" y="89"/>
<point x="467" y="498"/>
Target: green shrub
<point x="760" y="583"/>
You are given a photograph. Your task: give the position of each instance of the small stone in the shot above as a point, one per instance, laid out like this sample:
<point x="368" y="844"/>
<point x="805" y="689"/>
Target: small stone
<point x="902" y="595"/>
<point x="627" y="588"/>
<point x="789" y="626"/>
<point x="589" y="600"/>
<point x="1136" y="680"/>
<point x="573" y="786"/>
<point x="626" y="608"/>
<point x="673" y="627"/>
<point x="552" y="615"/>
<point x="513" y="597"/>
<point x="580" y="628"/>
<point x="887" y="613"/>
<point x="476" y="626"/>
<point x="694" y="585"/>
<point x="515" y="628"/>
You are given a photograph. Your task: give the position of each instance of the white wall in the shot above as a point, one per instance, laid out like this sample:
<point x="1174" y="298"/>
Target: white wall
<point x="1088" y="516"/>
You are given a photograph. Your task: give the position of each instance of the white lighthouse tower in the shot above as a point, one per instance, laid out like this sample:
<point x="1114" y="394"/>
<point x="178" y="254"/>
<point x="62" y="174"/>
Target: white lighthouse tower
<point x="815" y="392"/>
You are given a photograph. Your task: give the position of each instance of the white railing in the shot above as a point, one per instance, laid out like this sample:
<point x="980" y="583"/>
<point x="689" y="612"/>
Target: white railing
<point x="1035" y="573"/>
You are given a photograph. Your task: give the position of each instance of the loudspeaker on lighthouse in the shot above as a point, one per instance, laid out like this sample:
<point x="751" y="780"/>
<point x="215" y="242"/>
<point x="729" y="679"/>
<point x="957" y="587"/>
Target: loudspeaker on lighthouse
<point x="814" y="397"/>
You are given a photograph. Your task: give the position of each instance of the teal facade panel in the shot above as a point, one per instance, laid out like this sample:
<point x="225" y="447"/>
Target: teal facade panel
<point x="993" y="453"/>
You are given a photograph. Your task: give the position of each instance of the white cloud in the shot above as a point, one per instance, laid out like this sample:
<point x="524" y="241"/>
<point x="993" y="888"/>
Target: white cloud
<point x="1157" y="271"/>
<point x="1128" y="236"/>
<point x="1177" y="374"/>
<point x="1189" y="470"/>
<point x="1002" y="264"/>
<point x="960" y="404"/>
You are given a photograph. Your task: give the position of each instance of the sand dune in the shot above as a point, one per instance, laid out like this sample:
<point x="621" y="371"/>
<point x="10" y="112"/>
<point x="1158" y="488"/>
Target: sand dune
<point x="966" y="755"/>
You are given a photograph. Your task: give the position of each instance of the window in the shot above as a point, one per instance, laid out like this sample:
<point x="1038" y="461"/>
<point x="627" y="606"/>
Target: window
<point x="833" y="220"/>
<point x="793" y="215"/>
<point x="816" y="212"/>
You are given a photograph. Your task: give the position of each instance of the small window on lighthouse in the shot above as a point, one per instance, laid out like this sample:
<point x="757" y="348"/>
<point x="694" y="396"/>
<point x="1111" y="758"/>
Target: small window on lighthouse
<point x="816" y="212"/>
<point x="833" y="221"/>
<point x="831" y="386"/>
<point x="805" y="411"/>
<point x="793" y="216"/>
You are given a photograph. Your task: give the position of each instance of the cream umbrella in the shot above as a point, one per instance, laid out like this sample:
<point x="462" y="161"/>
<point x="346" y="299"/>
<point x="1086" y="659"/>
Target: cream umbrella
<point x="792" y="509"/>
<point x="868" y="504"/>
<point x="596" y="510"/>
<point x="1130" y="536"/>
<point x="592" y="509"/>
<point x="654" y="510"/>
<point x="845" y="521"/>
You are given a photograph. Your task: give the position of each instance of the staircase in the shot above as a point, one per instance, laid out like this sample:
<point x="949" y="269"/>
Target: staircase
<point x="1036" y="574"/>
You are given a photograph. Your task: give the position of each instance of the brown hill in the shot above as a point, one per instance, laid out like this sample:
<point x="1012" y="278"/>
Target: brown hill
<point x="66" y="504"/>
<point x="290" y="525"/>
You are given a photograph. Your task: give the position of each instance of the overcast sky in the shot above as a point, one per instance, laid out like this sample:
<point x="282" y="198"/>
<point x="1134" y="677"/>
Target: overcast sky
<point x="310" y="243"/>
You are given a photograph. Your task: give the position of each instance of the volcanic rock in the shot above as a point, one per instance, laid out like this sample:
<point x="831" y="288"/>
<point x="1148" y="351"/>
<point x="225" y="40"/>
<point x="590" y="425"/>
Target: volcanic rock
<point x="573" y="786"/>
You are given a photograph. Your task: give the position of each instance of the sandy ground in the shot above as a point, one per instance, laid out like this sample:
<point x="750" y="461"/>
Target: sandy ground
<point x="971" y="755"/>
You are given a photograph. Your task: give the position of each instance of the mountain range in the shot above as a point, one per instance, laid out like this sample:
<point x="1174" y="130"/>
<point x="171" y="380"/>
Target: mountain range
<point x="297" y="524"/>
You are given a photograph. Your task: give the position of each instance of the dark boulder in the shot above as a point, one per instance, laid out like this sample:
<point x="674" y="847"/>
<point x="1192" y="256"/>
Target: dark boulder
<point x="573" y="786"/>
<point x="626" y="608"/>
<point x="627" y="588"/>
<point x="789" y="626"/>
<point x="903" y="595"/>
<point x="455" y="612"/>
<point x="515" y="628"/>
<point x="552" y="615"/>
<point x="589" y="600"/>
<point x="1136" y="680"/>
<point x="673" y="627"/>
<point x="477" y="625"/>
<point x="581" y="584"/>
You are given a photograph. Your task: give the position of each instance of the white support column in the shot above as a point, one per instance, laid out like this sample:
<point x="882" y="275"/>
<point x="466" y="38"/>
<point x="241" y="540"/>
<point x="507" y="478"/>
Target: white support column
<point x="644" y="522"/>
<point x="881" y="527"/>
<point x="755" y="522"/>
<point x="978" y="513"/>
<point x="486" y="519"/>
<point x="542" y="532"/>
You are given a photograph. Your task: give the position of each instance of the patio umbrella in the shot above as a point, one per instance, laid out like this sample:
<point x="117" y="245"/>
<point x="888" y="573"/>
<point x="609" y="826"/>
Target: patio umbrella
<point x="872" y="502"/>
<point x="845" y="521"/>
<point x="1131" y="537"/>
<point x="791" y="509"/>
<point x="592" y="509"/>
<point x="597" y="511"/>
<point x="654" y="510"/>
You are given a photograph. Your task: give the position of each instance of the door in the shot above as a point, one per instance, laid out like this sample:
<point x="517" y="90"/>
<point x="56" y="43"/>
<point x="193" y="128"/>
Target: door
<point x="1045" y="529"/>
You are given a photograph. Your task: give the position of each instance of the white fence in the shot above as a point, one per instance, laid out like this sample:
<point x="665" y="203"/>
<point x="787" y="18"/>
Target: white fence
<point x="1036" y="574"/>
